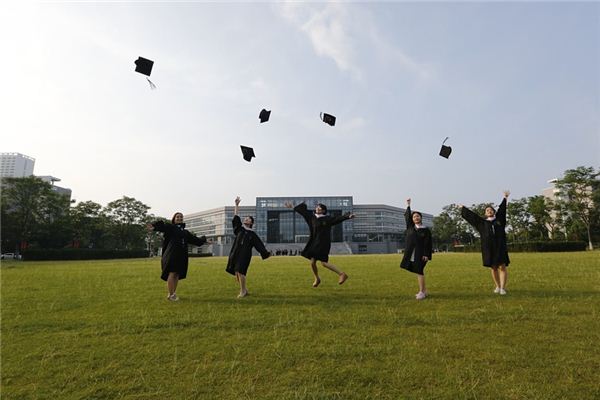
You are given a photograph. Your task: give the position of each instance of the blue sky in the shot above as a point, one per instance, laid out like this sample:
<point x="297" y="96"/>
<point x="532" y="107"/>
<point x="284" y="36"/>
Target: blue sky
<point x="516" y="87"/>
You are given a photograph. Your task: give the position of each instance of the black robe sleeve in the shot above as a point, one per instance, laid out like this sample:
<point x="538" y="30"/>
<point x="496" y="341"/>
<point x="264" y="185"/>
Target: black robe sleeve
<point x="339" y="219"/>
<point x="193" y="239"/>
<point x="161" y="226"/>
<point x="260" y="247"/>
<point x="303" y="210"/>
<point x="501" y="213"/>
<point x="427" y="245"/>
<point x="237" y="224"/>
<point x="408" y="218"/>
<point x="475" y="220"/>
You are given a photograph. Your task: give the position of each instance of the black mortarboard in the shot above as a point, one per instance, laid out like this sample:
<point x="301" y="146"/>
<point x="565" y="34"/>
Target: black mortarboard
<point x="264" y="115"/>
<point x="144" y="66"/>
<point x="445" y="150"/>
<point x="248" y="153"/>
<point x="328" y="119"/>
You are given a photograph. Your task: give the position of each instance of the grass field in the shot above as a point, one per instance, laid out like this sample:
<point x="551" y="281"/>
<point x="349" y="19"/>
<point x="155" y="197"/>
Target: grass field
<point x="104" y="330"/>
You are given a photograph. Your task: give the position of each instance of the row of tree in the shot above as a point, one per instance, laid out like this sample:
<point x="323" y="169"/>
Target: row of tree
<point x="573" y="214"/>
<point x="33" y="215"/>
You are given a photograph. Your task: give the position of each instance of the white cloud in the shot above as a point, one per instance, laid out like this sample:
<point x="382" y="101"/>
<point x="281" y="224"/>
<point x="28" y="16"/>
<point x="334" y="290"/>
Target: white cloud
<point x="338" y="31"/>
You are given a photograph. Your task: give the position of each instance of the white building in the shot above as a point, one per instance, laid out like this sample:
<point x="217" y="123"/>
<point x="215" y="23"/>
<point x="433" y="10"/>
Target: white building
<point x="16" y="165"/>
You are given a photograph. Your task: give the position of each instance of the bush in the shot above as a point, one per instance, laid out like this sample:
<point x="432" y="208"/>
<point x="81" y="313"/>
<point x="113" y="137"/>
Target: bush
<point x="80" y="254"/>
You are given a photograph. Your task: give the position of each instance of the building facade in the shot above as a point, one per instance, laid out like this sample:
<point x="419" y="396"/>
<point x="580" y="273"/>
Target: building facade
<point x="16" y="165"/>
<point x="376" y="228"/>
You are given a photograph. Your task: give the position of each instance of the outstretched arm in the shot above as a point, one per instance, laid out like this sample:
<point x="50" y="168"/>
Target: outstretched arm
<point x="160" y="226"/>
<point x="475" y="220"/>
<point x="193" y="239"/>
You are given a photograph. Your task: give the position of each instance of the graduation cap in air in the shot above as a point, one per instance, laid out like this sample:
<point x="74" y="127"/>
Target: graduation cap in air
<point x="144" y="66"/>
<point x="264" y="115"/>
<point x="328" y="119"/>
<point x="445" y="150"/>
<point x="248" y="153"/>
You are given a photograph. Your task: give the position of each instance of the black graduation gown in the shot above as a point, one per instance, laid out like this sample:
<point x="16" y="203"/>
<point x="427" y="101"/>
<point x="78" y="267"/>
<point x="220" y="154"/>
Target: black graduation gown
<point x="494" y="251"/>
<point x="175" y="248"/>
<point x="417" y="241"/>
<point x="241" y="251"/>
<point x="319" y="242"/>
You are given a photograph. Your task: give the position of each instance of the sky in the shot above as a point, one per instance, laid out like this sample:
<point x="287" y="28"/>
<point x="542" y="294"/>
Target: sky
<point x="514" y="85"/>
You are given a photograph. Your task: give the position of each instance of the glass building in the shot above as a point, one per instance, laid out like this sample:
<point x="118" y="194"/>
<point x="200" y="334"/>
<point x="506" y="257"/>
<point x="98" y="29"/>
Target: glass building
<point x="277" y="224"/>
<point x="376" y="228"/>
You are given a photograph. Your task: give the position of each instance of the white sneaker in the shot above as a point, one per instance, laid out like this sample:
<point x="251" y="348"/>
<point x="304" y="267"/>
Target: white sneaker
<point x="173" y="297"/>
<point x="497" y="290"/>
<point x="420" y="296"/>
<point x="502" y="291"/>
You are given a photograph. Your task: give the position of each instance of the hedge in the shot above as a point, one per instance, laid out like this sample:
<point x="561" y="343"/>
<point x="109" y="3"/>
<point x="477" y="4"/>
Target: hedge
<point x="538" y="246"/>
<point x="80" y="254"/>
<point x="547" y="246"/>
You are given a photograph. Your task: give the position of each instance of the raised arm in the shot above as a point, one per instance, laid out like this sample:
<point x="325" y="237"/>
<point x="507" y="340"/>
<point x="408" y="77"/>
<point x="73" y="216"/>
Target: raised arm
<point x="475" y="220"/>
<point x="501" y="213"/>
<point x="236" y="209"/>
<point x="303" y="210"/>
<point x="408" y="215"/>
<point x="236" y="222"/>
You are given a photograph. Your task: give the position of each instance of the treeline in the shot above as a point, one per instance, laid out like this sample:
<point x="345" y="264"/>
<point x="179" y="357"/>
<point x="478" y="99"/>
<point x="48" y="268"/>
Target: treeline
<point x="34" y="217"/>
<point x="571" y="215"/>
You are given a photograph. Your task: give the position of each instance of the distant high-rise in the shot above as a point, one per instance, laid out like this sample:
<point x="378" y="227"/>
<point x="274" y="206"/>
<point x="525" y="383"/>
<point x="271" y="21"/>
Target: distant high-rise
<point x="16" y="165"/>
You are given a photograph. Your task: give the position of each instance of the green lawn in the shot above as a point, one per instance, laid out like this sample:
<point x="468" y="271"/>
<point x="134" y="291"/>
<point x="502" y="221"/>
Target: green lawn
<point x="104" y="330"/>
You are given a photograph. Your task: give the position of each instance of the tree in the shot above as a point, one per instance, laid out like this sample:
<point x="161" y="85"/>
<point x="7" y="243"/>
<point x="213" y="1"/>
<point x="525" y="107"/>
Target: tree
<point x="579" y="188"/>
<point x="517" y="219"/>
<point x="31" y="210"/>
<point x="449" y="227"/>
<point x="538" y="210"/>
<point x="128" y="222"/>
<point x="91" y="226"/>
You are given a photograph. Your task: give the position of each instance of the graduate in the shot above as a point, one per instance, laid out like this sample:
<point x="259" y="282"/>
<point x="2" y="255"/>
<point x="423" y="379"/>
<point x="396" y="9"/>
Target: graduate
<point x="174" y="262"/>
<point x="241" y="251"/>
<point x="418" y="247"/>
<point x="494" y="251"/>
<point x="319" y="242"/>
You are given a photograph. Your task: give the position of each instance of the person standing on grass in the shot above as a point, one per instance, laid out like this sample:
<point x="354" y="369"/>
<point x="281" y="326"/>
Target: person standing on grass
<point x="319" y="242"/>
<point x="174" y="262"/>
<point x="418" y="247"/>
<point x="494" y="250"/>
<point x="241" y="251"/>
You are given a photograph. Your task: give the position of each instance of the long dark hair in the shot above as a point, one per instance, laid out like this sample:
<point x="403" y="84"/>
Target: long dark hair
<point x="174" y="215"/>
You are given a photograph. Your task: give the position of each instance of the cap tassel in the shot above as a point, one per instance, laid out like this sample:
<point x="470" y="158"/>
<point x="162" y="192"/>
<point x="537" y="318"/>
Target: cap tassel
<point x="152" y="85"/>
<point x="444" y="142"/>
